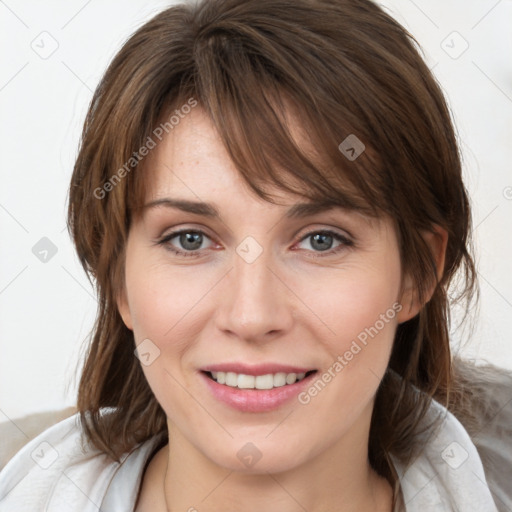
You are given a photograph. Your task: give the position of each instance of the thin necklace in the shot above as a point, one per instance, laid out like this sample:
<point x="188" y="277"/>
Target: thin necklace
<point x="165" y="475"/>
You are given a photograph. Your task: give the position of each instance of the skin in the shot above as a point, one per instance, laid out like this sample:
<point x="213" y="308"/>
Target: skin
<point x="288" y="306"/>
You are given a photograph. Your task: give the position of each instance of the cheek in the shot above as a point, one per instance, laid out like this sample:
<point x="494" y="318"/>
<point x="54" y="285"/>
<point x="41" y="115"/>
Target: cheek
<point x="355" y="304"/>
<point x="361" y="311"/>
<point x="162" y="300"/>
<point x="163" y="307"/>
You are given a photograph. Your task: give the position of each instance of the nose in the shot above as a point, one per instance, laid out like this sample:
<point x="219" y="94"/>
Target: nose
<point x="255" y="302"/>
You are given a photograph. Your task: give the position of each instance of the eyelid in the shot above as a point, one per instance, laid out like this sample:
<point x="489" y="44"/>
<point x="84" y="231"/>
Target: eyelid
<point x="164" y="239"/>
<point x="346" y="242"/>
<point x="324" y="228"/>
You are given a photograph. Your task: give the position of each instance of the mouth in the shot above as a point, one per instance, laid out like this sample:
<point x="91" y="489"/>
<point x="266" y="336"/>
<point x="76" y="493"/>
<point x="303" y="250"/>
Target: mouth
<point x="255" y="389"/>
<point x="257" y="382"/>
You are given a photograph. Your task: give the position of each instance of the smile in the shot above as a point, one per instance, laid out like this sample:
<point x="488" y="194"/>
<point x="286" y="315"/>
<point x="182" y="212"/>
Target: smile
<point x="267" y="381"/>
<point x="255" y="388"/>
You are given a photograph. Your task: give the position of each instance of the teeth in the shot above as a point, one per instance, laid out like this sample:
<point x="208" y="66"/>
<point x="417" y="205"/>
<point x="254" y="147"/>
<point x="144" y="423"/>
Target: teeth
<point x="264" y="381"/>
<point x="279" y="380"/>
<point x="291" y="378"/>
<point x="246" y="381"/>
<point x="231" y="379"/>
<point x="268" y="381"/>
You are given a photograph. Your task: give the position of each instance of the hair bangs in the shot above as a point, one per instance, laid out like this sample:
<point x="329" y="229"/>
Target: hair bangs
<point x="279" y="135"/>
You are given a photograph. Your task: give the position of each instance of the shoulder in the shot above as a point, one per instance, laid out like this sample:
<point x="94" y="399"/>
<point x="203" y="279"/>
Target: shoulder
<point x="488" y="398"/>
<point x="60" y="470"/>
<point x="466" y="460"/>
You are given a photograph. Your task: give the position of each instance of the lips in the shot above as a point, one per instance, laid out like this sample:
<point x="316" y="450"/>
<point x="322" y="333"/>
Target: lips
<point x="255" y="388"/>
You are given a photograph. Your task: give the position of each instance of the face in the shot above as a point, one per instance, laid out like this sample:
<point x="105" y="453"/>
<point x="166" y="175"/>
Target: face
<point x="302" y="308"/>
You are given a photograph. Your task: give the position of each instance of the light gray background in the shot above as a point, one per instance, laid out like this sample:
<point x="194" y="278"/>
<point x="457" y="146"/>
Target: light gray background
<point x="47" y="308"/>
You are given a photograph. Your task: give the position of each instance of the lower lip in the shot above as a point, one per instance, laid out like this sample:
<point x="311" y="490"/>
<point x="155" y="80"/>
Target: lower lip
<point x="255" y="400"/>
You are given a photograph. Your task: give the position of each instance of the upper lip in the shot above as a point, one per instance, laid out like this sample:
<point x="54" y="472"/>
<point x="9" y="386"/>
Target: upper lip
<point x="256" y="369"/>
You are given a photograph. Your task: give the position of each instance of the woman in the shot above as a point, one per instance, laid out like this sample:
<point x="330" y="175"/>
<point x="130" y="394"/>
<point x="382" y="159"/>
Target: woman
<point x="268" y="197"/>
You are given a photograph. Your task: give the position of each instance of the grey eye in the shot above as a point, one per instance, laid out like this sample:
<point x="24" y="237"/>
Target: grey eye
<point x="321" y="241"/>
<point x="191" y="240"/>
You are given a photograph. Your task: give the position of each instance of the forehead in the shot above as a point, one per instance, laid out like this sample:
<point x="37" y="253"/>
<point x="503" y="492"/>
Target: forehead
<point x="191" y="170"/>
<point x="192" y="161"/>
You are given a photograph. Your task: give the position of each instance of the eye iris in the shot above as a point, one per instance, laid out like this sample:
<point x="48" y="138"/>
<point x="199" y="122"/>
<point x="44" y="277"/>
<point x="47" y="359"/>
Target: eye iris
<point x="194" y="239"/>
<point x="319" y="241"/>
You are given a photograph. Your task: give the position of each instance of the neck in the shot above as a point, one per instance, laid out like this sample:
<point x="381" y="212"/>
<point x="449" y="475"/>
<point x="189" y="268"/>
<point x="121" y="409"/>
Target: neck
<point x="339" y="478"/>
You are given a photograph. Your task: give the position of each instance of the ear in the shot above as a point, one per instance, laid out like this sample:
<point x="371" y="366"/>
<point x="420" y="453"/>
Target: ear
<point x="437" y="240"/>
<point x="124" y="309"/>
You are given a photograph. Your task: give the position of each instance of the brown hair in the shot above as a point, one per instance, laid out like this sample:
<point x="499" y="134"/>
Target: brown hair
<point x="344" y="67"/>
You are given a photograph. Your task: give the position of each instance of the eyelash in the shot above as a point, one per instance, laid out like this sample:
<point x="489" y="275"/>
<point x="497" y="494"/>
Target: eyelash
<point x="345" y="242"/>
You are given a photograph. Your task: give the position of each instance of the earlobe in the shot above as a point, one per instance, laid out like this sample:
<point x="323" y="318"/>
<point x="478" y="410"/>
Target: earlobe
<point x="124" y="310"/>
<point x="437" y="241"/>
<point x="408" y="301"/>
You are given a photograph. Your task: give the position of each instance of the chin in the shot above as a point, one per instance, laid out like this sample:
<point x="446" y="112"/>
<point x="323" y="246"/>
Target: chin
<point x="256" y="455"/>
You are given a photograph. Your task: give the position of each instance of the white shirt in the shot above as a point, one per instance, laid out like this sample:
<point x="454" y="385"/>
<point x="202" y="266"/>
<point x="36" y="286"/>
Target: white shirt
<point x="59" y="472"/>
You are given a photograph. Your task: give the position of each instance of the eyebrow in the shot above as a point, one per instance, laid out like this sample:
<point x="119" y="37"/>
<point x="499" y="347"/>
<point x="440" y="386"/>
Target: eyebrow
<point x="209" y="210"/>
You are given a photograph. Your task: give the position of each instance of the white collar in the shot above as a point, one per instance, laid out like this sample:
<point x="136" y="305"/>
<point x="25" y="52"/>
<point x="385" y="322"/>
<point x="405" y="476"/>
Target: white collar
<point x="448" y="474"/>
